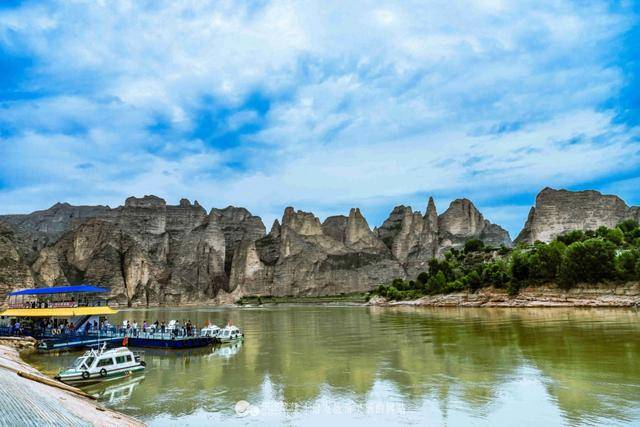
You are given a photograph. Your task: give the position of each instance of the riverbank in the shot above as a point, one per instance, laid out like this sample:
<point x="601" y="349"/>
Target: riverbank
<point x="33" y="403"/>
<point x="601" y="295"/>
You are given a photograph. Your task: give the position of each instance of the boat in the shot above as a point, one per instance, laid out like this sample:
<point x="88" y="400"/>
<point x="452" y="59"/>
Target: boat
<point x="102" y="365"/>
<point x="75" y="317"/>
<point x="210" y="331"/>
<point x="230" y="333"/>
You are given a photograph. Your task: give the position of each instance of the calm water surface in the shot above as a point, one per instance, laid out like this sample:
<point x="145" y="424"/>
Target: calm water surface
<point x="390" y="366"/>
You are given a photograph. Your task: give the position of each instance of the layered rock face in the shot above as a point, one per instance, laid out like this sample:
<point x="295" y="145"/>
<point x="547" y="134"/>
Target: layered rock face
<point x="558" y="211"/>
<point x="145" y="252"/>
<point x="411" y="237"/>
<point x="462" y="221"/>
<point x="14" y="271"/>
<point x="302" y="256"/>
<point x="237" y="225"/>
<point x="42" y="228"/>
<point x="148" y="252"/>
<point x="414" y="238"/>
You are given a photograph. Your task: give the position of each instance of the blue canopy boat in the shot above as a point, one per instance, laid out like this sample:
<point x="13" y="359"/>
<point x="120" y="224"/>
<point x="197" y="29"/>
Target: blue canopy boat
<point x="82" y="310"/>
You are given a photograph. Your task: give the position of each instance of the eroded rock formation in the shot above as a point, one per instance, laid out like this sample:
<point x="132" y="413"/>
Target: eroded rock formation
<point x="42" y="228"/>
<point x="301" y="256"/>
<point x="148" y="252"/>
<point x="462" y="221"/>
<point x="411" y="236"/>
<point x="558" y="211"/>
<point x="14" y="271"/>
<point x="414" y="238"/>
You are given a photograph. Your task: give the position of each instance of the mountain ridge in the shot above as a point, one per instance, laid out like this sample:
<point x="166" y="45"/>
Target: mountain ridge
<point x="148" y="252"/>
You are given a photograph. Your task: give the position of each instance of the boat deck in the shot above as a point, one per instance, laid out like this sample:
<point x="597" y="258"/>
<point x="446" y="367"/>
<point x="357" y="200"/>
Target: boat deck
<point x="157" y="340"/>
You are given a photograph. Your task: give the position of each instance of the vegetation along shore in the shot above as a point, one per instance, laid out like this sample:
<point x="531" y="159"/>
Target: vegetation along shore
<point x="585" y="268"/>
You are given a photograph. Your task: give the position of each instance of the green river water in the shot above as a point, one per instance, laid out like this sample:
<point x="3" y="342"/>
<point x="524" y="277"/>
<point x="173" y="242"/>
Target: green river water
<point x="317" y="365"/>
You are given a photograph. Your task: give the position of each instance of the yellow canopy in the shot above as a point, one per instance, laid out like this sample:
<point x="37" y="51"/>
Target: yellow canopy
<point x="58" y="312"/>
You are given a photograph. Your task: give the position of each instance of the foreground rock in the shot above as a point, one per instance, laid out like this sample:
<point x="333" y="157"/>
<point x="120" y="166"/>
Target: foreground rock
<point x="27" y="402"/>
<point x="559" y="211"/>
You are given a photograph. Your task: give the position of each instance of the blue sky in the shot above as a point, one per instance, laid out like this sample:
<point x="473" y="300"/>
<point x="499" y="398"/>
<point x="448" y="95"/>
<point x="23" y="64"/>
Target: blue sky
<point x="322" y="105"/>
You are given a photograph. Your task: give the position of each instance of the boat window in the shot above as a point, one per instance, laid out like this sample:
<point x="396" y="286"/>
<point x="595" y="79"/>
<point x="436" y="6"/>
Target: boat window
<point x="121" y="359"/>
<point x="89" y="361"/>
<point x="129" y="358"/>
<point x="105" y="362"/>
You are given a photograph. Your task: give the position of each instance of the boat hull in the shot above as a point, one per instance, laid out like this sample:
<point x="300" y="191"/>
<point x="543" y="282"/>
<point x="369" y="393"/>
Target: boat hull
<point x="96" y="377"/>
<point x="193" y="342"/>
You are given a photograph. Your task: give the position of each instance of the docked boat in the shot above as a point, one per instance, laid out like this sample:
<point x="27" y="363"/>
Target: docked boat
<point x="210" y="331"/>
<point x="230" y="333"/>
<point x="102" y="365"/>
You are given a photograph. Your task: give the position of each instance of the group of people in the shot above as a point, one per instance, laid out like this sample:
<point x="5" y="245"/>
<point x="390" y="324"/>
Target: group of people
<point x="56" y="327"/>
<point x="133" y="329"/>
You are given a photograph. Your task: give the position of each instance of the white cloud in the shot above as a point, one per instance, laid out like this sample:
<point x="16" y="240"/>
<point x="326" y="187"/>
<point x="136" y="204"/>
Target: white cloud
<point x="368" y="104"/>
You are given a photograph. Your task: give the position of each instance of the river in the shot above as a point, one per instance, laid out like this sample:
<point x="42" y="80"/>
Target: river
<point x="316" y="365"/>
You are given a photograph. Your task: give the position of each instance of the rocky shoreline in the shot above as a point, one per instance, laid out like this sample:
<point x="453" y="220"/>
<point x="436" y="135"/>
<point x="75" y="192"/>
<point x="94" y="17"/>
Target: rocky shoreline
<point x="27" y="400"/>
<point x="603" y="295"/>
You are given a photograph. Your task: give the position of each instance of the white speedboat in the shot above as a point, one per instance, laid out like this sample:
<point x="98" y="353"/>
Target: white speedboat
<point x="230" y="333"/>
<point x="102" y="365"/>
<point x="210" y="331"/>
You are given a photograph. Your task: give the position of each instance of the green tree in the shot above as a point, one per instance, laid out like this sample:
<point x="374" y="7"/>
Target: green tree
<point x="496" y="273"/>
<point x="520" y="270"/>
<point x="392" y="293"/>
<point x="473" y="245"/>
<point x="544" y="261"/>
<point x="423" y="277"/>
<point x="472" y="281"/>
<point x="590" y="261"/>
<point x="628" y="226"/>
<point x="571" y="237"/>
<point x="436" y="283"/>
<point x="627" y="263"/>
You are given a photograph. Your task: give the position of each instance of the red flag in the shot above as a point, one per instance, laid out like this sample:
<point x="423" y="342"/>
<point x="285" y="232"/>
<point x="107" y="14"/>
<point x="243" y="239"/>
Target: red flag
<point x="125" y="341"/>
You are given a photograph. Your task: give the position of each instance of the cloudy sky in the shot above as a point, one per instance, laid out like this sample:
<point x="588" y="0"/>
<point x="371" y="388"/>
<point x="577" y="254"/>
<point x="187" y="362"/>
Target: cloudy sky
<point x="321" y="105"/>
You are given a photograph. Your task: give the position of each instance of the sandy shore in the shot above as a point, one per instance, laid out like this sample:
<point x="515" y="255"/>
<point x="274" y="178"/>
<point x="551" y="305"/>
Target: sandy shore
<point x="29" y="403"/>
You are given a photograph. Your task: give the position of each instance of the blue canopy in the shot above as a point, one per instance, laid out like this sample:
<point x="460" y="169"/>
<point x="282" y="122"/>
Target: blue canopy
<point x="59" y="290"/>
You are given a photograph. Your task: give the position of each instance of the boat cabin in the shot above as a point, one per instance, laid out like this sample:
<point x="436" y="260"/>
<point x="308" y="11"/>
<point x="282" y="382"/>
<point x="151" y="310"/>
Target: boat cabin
<point x="59" y="309"/>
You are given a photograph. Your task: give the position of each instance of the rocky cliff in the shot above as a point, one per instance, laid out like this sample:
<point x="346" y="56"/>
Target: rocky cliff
<point x="414" y="238"/>
<point x="14" y="270"/>
<point x="302" y="256"/>
<point x="145" y="252"/>
<point x="42" y="228"/>
<point x="462" y="221"/>
<point x="149" y="252"/>
<point x="558" y="211"/>
<point x="411" y="237"/>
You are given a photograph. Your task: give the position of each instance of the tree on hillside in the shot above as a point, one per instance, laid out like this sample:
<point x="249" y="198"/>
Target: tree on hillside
<point x="590" y="261"/>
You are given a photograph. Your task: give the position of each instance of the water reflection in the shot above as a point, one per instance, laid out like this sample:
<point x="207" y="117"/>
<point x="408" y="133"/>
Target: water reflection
<point x="117" y="393"/>
<point x="448" y="366"/>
